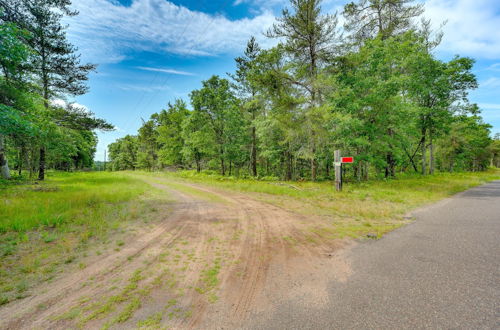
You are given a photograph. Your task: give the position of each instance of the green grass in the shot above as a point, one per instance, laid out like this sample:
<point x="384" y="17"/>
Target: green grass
<point x="129" y="310"/>
<point x="79" y="198"/>
<point x="374" y="207"/>
<point x="46" y="227"/>
<point x="152" y="322"/>
<point x="373" y="199"/>
<point x="209" y="280"/>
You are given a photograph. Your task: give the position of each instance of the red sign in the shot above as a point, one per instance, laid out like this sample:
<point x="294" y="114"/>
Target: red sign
<point x="347" y="160"/>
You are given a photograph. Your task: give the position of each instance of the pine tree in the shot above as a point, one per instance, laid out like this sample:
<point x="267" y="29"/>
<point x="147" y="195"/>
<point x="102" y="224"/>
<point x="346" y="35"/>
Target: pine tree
<point x="248" y="93"/>
<point x="367" y="19"/>
<point x="310" y="39"/>
<point x="56" y="63"/>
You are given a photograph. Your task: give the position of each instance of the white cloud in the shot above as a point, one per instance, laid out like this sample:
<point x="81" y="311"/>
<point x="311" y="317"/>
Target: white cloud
<point x="492" y="82"/>
<point x="267" y="3"/>
<point x="63" y="104"/>
<point x="145" y="89"/>
<point x="80" y="106"/>
<point x="494" y="67"/>
<point x="489" y="106"/>
<point x="472" y="29"/>
<point x="491" y="114"/>
<point x="59" y="103"/>
<point x="170" y="71"/>
<point x="106" y="31"/>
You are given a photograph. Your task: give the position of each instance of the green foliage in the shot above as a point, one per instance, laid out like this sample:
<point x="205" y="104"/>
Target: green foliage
<point x="123" y="153"/>
<point x="169" y="129"/>
<point x="468" y="146"/>
<point x="217" y="107"/>
<point x="38" y="65"/>
<point x="14" y="53"/>
<point x="494" y="149"/>
<point x="367" y="19"/>
<point x="377" y="93"/>
<point x="13" y="122"/>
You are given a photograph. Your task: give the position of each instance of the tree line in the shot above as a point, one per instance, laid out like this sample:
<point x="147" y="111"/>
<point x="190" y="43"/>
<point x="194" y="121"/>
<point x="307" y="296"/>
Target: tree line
<point x="39" y="69"/>
<point x="372" y="88"/>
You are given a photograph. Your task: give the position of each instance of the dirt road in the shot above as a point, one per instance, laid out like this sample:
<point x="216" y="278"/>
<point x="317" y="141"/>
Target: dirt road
<point x="215" y="258"/>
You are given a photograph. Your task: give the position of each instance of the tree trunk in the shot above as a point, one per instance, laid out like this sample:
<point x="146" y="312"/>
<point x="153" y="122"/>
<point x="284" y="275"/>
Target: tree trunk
<point x="4" y="164"/>
<point x="222" y="166"/>
<point x="254" y="151"/>
<point x="288" y="160"/>
<point x="41" y="168"/>
<point x="313" y="159"/>
<point x="390" y="167"/>
<point x="365" y="171"/>
<point x="20" y="161"/>
<point x="313" y="169"/>
<point x="431" y="153"/>
<point x="424" y="152"/>
<point x="198" y="167"/>
<point x="31" y="162"/>
<point x="221" y="157"/>
<point x="45" y="81"/>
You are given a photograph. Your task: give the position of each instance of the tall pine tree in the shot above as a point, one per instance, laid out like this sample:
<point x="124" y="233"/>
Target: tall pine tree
<point x="56" y="62"/>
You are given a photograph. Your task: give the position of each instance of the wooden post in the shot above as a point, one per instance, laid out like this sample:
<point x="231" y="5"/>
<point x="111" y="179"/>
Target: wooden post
<point x="338" y="171"/>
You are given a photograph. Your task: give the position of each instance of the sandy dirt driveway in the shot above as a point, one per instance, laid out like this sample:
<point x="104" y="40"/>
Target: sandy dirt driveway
<point x="215" y="258"/>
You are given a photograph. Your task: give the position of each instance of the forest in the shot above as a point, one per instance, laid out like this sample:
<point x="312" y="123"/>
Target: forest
<point x="40" y="69"/>
<point x="371" y="86"/>
<point x="219" y="211"/>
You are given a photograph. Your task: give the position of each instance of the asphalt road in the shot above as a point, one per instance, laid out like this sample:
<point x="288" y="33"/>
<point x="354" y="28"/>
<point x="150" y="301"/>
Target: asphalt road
<point x="440" y="272"/>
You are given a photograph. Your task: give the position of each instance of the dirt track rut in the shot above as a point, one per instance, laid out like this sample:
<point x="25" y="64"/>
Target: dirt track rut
<point x="208" y="264"/>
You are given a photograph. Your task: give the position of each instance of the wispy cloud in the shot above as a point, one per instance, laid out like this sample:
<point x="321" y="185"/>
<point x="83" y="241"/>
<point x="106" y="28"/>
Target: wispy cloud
<point x="492" y="82"/>
<point x="106" y="31"/>
<point x="145" y="89"/>
<point x="491" y="114"/>
<point x="472" y="27"/>
<point x="489" y="106"/>
<point x="169" y="71"/>
<point x="261" y="3"/>
<point x="494" y="67"/>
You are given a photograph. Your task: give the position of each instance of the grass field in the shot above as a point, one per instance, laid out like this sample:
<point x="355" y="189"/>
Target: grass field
<point x="55" y="226"/>
<point x="47" y="227"/>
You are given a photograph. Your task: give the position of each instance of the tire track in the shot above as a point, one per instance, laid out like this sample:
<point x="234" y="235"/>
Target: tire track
<point x="266" y="236"/>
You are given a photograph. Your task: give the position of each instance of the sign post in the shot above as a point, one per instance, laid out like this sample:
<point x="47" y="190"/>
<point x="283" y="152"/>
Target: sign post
<point x="338" y="170"/>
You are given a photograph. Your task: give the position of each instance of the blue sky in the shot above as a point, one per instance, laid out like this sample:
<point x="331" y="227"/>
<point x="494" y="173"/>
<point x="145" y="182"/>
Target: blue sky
<point x="150" y="52"/>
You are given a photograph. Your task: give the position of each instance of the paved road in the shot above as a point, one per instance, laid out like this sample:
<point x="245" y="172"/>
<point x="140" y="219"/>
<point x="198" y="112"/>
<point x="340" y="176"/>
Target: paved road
<point x="440" y="272"/>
